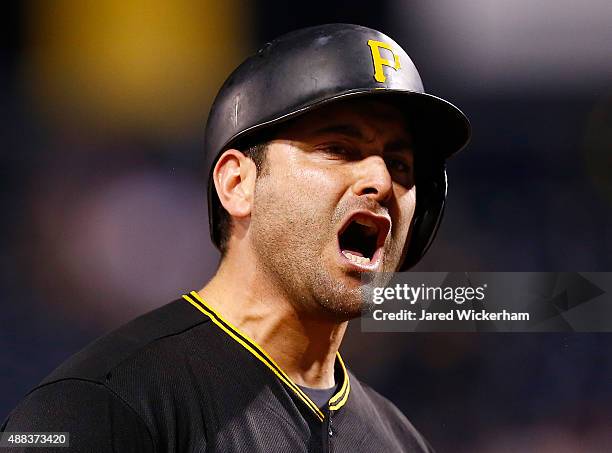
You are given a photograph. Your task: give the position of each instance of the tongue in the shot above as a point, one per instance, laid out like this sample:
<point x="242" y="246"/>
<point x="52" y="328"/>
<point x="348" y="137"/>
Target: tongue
<point x="353" y="252"/>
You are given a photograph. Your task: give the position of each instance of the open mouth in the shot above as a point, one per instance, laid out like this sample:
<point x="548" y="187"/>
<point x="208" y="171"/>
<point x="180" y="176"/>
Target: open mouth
<point x="362" y="237"/>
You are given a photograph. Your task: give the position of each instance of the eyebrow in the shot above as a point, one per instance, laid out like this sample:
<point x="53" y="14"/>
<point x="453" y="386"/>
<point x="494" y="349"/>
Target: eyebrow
<point x="353" y="132"/>
<point x="342" y="129"/>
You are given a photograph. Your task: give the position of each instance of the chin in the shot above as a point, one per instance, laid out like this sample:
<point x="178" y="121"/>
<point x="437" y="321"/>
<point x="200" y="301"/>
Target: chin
<point x="344" y="306"/>
<point x="338" y="293"/>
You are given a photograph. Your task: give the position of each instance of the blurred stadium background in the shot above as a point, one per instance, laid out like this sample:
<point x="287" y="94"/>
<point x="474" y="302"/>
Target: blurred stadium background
<point x="103" y="109"/>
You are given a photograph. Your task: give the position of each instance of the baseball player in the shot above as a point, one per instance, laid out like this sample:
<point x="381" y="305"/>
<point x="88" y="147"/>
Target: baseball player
<point x="327" y="162"/>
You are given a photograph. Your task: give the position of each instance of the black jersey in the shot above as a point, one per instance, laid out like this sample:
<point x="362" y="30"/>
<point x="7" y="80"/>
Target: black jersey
<point x="182" y="379"/>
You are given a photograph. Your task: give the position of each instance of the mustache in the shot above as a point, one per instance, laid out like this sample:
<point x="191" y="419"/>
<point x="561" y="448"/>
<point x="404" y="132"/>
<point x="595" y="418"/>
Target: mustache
<point x="358" y="204"/>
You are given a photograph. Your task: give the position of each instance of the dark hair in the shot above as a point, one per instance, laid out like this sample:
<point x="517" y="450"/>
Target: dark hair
<point x="257" y="153"/>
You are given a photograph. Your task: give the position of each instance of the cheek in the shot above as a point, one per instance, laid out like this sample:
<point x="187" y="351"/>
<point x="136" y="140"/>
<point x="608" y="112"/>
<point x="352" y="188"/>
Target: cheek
<point x="317" y="186"/>
<point x="308" y="178"/>
<point x="406" y="204"/>
<point x="299" y="197"/>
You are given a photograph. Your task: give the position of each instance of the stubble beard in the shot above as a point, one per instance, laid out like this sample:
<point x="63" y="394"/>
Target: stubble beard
<point x="289" y="238"/>
<point x="290" y="245"/>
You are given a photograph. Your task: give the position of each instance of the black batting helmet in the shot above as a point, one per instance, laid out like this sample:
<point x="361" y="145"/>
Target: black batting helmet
<point x="308" y="68"/>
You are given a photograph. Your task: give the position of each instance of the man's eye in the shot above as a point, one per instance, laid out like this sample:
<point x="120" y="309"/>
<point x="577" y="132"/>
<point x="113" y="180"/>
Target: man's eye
<point x="340" y="151"/>
<point x="337" y="149"/>
<point x="398" y="165"/>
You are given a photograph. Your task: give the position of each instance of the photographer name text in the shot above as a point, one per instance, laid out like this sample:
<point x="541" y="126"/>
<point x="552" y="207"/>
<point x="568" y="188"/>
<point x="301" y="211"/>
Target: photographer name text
<point x="453" y="315"/>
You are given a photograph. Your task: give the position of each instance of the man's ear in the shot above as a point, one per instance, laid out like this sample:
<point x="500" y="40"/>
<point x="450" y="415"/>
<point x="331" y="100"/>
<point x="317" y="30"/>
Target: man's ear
<point x="234" y="176"/>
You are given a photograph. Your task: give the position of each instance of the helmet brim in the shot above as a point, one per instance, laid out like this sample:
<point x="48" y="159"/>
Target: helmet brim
<point x="439" y="128"/>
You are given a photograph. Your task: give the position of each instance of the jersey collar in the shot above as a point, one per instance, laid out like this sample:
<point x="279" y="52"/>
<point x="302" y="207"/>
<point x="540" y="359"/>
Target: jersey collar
<point x="335" y="402"/>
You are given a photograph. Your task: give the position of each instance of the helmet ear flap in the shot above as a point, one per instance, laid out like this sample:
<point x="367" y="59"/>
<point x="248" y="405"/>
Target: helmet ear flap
<point x="431" y="182"/>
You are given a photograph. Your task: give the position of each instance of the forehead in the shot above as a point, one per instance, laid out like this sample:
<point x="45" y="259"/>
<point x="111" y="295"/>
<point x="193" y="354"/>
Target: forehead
<point x="374" y="118"/>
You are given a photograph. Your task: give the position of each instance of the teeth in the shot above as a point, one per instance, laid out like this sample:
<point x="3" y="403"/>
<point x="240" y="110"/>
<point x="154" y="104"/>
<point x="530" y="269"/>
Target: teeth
<point x="368" y="223"/>
<point x="365" y="222"/>
<point x="356" y="259"/>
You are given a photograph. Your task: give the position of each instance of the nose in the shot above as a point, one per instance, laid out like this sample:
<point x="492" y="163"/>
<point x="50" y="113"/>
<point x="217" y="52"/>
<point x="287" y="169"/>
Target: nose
<point x="372" y="179"/>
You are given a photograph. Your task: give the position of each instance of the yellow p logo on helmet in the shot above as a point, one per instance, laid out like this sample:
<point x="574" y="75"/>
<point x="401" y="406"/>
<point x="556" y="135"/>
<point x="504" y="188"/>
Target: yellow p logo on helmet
<point x="379" y="61"/>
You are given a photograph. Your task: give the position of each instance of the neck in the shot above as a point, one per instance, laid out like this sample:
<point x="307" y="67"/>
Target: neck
<point x="303" y="344"/>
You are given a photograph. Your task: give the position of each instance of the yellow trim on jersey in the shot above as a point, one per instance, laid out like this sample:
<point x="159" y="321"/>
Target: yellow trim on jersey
<point x="336" y="401"/>
<point x="257" y="352"/>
